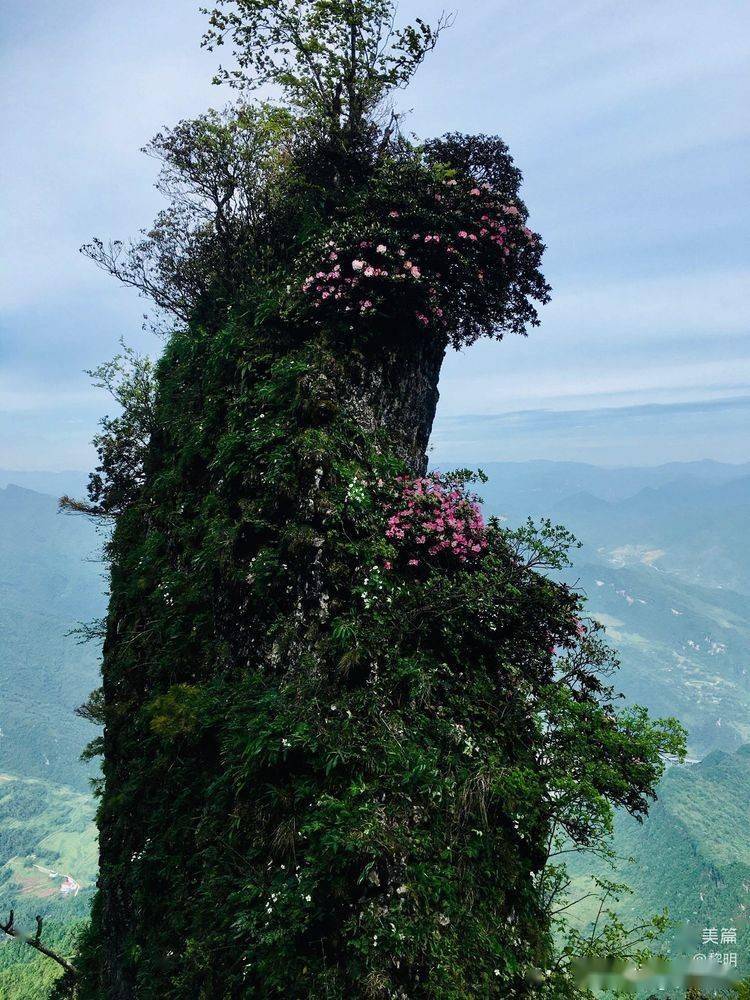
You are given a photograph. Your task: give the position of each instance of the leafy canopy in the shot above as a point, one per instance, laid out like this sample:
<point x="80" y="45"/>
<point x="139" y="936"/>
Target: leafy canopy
<point x="217" y="174"/>
<point x="335" y="60"/>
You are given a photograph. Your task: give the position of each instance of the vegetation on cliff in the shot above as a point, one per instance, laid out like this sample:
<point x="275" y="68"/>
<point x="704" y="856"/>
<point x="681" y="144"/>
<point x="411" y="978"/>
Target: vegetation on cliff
<point x="346" y="720"/>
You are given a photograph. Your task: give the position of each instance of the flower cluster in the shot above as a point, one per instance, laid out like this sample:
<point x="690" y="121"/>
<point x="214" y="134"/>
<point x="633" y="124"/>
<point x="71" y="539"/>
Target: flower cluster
<point x="435" y="516"/>
<point x="450" y="261"/>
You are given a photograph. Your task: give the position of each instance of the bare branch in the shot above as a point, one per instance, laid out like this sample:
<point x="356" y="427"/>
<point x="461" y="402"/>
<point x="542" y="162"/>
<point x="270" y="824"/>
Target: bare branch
<point x="35" y="942"/>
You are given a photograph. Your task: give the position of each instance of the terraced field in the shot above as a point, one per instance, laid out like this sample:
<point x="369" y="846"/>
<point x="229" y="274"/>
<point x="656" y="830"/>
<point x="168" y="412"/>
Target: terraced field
<point x="48" y="863"/>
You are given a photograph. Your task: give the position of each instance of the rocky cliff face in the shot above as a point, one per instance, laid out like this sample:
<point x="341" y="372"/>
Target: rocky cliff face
<point x="395" y="387"/>
<point x="188" y="622"/>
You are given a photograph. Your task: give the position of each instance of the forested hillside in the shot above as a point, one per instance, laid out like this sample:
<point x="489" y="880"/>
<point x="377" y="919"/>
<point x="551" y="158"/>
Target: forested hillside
<point x="51" y="580"/>
<point x="48" y="865"/>
<point x="648" y="536"/>
<point x="691" y="856"/>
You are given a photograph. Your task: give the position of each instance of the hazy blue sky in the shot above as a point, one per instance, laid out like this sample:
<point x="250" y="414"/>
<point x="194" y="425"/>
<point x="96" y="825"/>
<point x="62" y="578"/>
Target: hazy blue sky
<point x="629" y="121"/>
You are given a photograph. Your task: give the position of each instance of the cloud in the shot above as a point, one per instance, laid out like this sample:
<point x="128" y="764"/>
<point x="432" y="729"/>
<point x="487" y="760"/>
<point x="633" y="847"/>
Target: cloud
<point x="650" y="434"/>
<point x="661" y="305"/>
<point x="629" y="121"/>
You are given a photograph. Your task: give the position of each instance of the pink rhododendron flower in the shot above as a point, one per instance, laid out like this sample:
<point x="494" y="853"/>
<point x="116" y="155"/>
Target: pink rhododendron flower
<point x="438" y="285"/>
<point x="435" y="513"/>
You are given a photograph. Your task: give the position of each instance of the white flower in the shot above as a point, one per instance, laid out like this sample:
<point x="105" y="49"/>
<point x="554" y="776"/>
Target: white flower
<point x="382" y="248"/>
<point x="357" y="265"/>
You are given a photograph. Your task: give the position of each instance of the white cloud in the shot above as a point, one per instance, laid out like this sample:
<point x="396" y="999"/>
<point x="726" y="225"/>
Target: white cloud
<point x="666" y="305"/>
<point x="629" y="119"/>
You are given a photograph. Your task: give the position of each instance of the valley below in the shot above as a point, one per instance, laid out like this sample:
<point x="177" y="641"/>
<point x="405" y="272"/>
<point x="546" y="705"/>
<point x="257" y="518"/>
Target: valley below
<point x="665" y="567"/>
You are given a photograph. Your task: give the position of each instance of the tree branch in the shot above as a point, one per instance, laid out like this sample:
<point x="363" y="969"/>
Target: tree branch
<point x="35" y="942"/>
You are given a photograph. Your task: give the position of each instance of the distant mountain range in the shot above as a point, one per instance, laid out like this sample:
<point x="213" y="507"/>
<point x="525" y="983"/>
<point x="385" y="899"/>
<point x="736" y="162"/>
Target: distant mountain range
<point x="54" y="484"/>
<point x="665" y="563"/>
<point x="684" y="649"/>
<point x="51" y="579"/>
<point x="536" y="484"/>
<point x="690" y="520"/>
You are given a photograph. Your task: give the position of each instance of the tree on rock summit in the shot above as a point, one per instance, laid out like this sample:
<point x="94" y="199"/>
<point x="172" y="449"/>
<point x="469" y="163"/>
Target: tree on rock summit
<point x="345" y="715"/>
